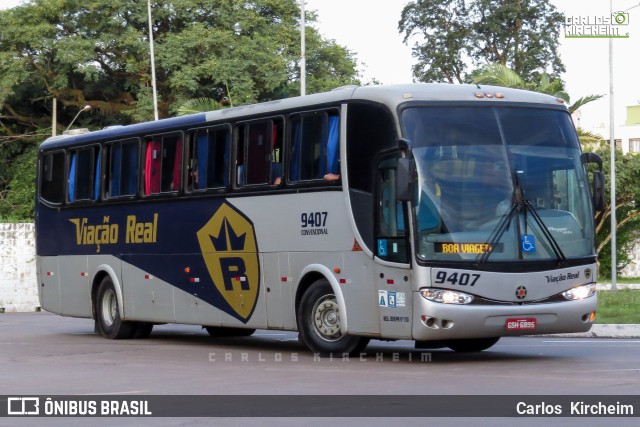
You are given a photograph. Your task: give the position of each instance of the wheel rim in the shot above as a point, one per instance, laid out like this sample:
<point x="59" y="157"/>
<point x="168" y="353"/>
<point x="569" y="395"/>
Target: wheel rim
<point x="109" y="307"/>
<point x="326" y="318"/>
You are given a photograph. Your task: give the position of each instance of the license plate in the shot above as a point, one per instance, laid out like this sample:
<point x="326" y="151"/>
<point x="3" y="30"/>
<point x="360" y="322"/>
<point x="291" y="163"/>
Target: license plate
<point x="527" y="324"/>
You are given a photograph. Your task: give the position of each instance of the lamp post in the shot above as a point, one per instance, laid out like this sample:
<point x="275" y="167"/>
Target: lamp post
<point x="85" y="108"/>
<point x="612" y="140"/>
<point x="303" y="53"/>
<point x="153" y="64"/>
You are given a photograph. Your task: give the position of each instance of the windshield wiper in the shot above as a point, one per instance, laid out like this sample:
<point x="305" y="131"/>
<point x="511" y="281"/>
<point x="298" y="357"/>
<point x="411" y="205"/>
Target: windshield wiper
<point x="520" y="205"/>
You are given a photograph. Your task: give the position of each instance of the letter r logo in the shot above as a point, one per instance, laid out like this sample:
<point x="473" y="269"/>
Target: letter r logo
<point x="230" y="252"/>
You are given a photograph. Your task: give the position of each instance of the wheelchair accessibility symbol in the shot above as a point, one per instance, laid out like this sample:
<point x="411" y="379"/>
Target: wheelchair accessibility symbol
<point x="528" y="243"/>
<point x="382" y="247"/>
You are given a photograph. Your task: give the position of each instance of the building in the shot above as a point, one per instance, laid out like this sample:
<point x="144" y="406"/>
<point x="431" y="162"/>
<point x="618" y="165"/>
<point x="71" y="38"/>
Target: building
<point x="628" y="135"/>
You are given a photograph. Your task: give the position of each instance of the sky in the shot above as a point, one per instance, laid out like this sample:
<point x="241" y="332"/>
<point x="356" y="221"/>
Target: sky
<point x="370" y="30"/>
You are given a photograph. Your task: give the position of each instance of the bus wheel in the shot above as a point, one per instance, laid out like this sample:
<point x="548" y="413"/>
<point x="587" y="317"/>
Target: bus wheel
<point x="318" y="318"/>
<point x="108" y="313"/>
<point x="222" y="332"/>
<point x="142" y="330"/>
<point x="471" y="345"/>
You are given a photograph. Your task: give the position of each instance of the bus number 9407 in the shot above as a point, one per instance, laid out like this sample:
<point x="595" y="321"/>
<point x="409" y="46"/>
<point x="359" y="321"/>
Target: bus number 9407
<point x="461" y="279"/>
<point x="313" y="219"/>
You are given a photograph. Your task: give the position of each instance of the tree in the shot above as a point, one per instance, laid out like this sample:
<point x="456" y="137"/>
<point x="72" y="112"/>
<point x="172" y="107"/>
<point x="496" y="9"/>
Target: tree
<point x="520" y="34"/>
<point x="97" y="53"/>
<point x="627" y="210"/>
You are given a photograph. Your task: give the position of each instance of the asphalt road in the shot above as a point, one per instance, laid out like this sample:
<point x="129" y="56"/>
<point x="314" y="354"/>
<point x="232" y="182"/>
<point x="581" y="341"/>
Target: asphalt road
<point x="46" y="354"/>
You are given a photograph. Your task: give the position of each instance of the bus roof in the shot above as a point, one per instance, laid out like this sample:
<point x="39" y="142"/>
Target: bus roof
<point x="389" y="95"/>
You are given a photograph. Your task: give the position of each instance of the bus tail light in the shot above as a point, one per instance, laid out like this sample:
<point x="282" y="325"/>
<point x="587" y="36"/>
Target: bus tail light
<point x="580" y="292"/>
<point x="446" y="296"/>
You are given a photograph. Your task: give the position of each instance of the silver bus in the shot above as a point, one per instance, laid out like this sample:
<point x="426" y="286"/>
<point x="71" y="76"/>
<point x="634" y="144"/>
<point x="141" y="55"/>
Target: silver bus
<point x="451" y="215"/>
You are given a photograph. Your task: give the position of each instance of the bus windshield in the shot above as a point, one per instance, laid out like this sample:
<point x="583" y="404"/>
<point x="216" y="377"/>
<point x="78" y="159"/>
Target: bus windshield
<point x="498" y="184"/>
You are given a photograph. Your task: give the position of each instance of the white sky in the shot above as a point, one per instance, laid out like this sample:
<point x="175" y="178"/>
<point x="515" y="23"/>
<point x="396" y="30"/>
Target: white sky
<point x="370" y="29"/>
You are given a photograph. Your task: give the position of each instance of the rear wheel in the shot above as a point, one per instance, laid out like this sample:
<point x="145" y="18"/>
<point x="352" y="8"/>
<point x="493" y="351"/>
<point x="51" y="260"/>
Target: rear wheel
<point x="222" y="332"/>
<point x="318" y="317"/>
<point x="108" y="318"/>
<point x="471" y="345"/>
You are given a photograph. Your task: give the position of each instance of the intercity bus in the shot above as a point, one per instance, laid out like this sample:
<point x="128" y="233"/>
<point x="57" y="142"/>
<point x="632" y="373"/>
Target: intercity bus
<point x="451" y="215"/>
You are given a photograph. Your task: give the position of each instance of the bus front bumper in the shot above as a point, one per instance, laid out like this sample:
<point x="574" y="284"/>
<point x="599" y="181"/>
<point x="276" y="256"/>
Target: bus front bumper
<point x="438" y="321"/>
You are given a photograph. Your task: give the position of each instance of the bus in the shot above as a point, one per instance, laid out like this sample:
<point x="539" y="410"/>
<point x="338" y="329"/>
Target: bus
<point x="450" y="215"/>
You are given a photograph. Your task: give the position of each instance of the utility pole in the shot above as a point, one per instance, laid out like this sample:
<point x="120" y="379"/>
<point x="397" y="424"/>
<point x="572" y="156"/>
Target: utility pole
<point x="303" y="54"/>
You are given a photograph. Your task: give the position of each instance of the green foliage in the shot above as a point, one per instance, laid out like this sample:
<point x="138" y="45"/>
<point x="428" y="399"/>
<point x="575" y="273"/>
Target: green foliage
<point x="619" y="307"/>
<point x="199" y="105"/>
<point x="522" y="35"/>
<point x="19" y="203"/>
<point x="627" y="211"/>
<point x="97" y="53"/>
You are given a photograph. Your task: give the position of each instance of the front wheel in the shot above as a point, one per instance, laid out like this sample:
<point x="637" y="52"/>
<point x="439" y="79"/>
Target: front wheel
<point x="109" y="323"/>
<point x="318" y="317"/>
<point x="471" y="345"/>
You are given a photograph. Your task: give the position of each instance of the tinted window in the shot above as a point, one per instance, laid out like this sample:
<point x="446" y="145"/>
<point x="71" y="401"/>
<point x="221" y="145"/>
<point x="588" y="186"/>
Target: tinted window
<point x="163" y="164"/>
<point x="258" y="156"/>
<point x="314" y="146"/>
<point x="84" y="174"/>
<point x="123" y="169"/>
<point x="52" y="177"/>
<point x="208" y="158"/>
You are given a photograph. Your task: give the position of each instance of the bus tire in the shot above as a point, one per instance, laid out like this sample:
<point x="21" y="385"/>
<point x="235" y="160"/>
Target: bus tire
<point x="471" y="345"/>
<point x="224" y="332"/>
<point x="142" y="330"/>
<point x="319" y="323"/>
<point x="108" y="313"/>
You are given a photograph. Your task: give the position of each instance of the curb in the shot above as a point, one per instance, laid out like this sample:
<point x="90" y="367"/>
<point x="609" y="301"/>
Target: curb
<point x="604" y="331"/>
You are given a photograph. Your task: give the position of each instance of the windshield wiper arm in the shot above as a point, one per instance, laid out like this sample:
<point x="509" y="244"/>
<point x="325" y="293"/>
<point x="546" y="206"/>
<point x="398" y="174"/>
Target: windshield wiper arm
<point x="545" y="231"/>
<point x="520" y="204"/>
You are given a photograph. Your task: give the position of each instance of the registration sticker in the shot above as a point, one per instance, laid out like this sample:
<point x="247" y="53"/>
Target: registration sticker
<point x="521" y="324"/>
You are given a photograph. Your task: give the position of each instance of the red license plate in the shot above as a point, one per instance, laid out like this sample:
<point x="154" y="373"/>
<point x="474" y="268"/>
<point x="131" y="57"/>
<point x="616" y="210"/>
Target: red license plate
<point x="527" y="324"/>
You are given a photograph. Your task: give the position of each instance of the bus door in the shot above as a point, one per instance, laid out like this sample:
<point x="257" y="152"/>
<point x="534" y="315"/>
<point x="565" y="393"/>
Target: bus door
<point x="392" y="254"/>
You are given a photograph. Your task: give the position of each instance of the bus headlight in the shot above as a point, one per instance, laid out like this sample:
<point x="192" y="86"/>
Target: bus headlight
<point x="580" y="292"/>
<point x="446" y="296"/>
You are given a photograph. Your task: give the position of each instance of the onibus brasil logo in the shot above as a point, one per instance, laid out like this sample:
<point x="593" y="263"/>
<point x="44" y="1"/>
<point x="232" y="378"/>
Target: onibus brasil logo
<point x="230" y="252"/>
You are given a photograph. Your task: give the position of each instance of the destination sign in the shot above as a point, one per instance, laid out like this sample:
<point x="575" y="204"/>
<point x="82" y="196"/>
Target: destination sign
<point x="466" y="248"/>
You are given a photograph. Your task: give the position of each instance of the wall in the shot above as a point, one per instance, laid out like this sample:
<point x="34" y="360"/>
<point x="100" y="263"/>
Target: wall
<point x="18" y="282"/>
<point x="633" y="269"/>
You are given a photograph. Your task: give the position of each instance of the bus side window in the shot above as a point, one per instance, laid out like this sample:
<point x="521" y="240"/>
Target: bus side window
<point x="84" y="174"/>
<point x="52" y="177"/>
<point x="209" y="154"/>
<point x="333" y="149"/>
<point x="171" y="164"/>
<point x="276" y="153"/>
<point x="315" y="147"/>
<point x="163" y="165"/>
<point x="152" y="168"/>
<point x="123" y="169"/>
<point x="258" y="153"/>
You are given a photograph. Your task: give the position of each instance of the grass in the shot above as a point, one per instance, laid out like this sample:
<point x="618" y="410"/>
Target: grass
<point x="622" y="306"/>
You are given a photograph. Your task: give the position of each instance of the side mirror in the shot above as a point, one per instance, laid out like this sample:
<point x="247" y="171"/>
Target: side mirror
<point x="405" y="180"/>
<point x="598" y="180"/>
